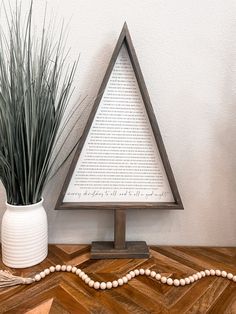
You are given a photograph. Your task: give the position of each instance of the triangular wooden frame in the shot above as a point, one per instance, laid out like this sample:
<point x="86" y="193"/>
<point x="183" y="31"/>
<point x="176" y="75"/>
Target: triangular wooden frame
<point x="124" y="38"/>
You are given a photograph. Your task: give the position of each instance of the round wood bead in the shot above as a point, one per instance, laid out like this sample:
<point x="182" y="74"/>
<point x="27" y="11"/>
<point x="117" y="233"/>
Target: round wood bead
<point x="230" y="276"/>
<point x="218" y="272"/>
<point x="115" y="284"/>
<point x="74" y="269"/>
<point x="58" y="267"/>
<point x="46" y="271"/>
<point x="191" y="279"/>
<point x="103" y="285"/>
<point x="132" y="273"/>
<point x="182" y="282"/>
<point x="153" y="274"/>
<point x="52" y="269"/>
<point x="63" y="268"/>
<point x="37" y="277"/>
<point x="120" y="282"/>
<point x="69" y="268"/>
<point x="203" y="273"/>
<point x="212" y="271"/>
<point x="42" y="274"/>
<point x="199" y="275"/>
<point x="96" y="285"/>
<point x="187" y="281"/>
<point x="128" y="276"/>
<point x="84" y="277"/>
<point x="207" y="272"/>
<point x="81" y="274"/>
<point x="223" y="274"/>
<point x="109" y="285"/>
<point x="169" y="281"/>
<point x="163" y="279"/>
<point x="141" y="271"/>
<point x="147" y="272"/>
<point x="136" y="271"/>
<point x="158" y="276"/>
<point x="91" y="283"/>
<point x="176" y="282"/>
<point x="125" y="280"/>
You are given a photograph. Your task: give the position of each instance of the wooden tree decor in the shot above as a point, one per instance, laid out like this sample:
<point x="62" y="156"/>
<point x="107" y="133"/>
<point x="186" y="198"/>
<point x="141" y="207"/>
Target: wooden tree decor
<point x="121" y="162"/>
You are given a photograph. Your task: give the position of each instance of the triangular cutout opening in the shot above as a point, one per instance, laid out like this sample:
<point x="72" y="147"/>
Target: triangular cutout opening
<point x="121" y="160"/>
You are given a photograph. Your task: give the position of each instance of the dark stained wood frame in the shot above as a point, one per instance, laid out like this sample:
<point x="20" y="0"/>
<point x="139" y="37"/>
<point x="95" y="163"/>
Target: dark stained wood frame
<point x="123" y="39"/>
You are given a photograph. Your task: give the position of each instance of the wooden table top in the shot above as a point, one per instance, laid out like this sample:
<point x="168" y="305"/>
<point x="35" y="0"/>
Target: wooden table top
<point x="64" y="292"/>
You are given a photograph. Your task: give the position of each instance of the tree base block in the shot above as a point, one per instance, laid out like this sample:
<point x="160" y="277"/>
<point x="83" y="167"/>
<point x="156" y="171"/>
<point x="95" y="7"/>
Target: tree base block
<point x="106" y="250"/>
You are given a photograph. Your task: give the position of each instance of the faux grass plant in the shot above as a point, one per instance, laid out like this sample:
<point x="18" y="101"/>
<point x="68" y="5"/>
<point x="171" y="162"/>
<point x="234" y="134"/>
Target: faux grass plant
<point x="35" y="87"/>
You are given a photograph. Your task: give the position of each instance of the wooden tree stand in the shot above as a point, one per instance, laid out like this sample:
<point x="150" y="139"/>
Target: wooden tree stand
<point x="119" y="248"/>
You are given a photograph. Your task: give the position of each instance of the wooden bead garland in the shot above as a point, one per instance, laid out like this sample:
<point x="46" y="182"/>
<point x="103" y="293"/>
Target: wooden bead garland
<point x="7" y="279"/>
<point x="133" y="273"/>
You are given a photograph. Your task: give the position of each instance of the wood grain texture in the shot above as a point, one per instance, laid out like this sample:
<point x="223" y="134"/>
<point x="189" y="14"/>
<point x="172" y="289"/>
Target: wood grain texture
<point x="67" y="293"/>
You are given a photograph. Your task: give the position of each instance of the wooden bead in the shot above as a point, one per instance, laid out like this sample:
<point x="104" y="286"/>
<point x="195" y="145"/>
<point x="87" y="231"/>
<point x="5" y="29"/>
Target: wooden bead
<point x="199" y="275"/>
<point x="132" y="273"/>
<point x="63" y="268"/>
<point x="74" y="269"/>
<point x="96" y="285"/>
<point x="120" y="282"/>
<point x="109" y="285"/>
<point x="103" y="285"/>
<point x="91" y="283"/>
<point x="191" y="279"/>
<point x="84" y="277"/>
<point x="37" y="277"/>
<point x="147" y="272"/>
<point x="218" y="272"/>
<point x="182" y="282"/>
<point x="69" y="268"/>
<point x="169" y="281"/>
<point x="223" y="274"/>
<point x="52" y="269"/>
<point x="230" y="276"/>
<point x="125" y="280"/>
<point x="203" y="273"/>
<point x="58" y="267"/>
<point x="136" y="271"/>
<point x="141" y="271"/>
<point x="176" y="282"/>
<point x="158" y="277"/>
<point x="207" y="272"/>
<point x="163" y="279"/>
<point x="115" y="284"/>
<point x="153" y="274"/>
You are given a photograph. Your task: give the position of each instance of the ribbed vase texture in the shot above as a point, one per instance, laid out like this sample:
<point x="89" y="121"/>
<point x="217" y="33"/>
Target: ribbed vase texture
<point x="24" y="235"/>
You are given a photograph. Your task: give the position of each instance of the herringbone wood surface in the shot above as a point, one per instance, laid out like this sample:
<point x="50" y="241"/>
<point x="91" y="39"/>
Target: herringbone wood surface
<point x="67" y="293"/>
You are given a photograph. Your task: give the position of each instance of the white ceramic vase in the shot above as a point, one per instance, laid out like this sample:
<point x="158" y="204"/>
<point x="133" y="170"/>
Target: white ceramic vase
<point x="24" y="235"/>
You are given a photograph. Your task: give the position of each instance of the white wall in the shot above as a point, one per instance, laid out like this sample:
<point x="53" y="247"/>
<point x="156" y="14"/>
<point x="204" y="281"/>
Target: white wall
<point x="187" y="52"/>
